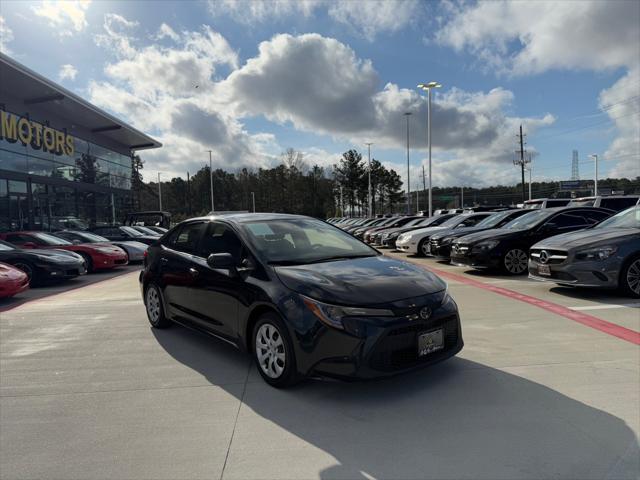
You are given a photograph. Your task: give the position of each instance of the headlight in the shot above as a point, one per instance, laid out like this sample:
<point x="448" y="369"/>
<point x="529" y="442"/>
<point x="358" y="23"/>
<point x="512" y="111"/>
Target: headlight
<point x="486" y="245"/>
<point x="394" y="235"/>
<point x="446" y="240"/>
<point x="332" y="315"/>
<point x="600" y="253"/>
<point x="105" y="249"/>
<point x="402" y="238"/>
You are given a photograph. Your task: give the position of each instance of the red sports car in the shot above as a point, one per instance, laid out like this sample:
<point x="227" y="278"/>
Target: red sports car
<point x="12" y="281"/>
<point x="97" y="256"/>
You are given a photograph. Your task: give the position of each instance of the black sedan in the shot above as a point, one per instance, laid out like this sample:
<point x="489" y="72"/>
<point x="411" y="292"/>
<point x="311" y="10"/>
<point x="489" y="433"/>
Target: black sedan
<point x="441" y="241"/>
<point x="303" y="297"/>
<point x="120" y="233"/>
<point x="41" y="265"/>
<point x="507" y="248"/>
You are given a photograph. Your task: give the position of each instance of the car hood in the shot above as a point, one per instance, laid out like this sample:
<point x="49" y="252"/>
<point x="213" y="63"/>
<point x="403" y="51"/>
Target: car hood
<point x="427" y="230"/>
<point x="590" y="236"/>
<point x="360" y="281"/>
<point x="491" y="234"/>
<point x="49" y="253"/>
<point x="130" y="243"/>
<point x="458" y="232"/>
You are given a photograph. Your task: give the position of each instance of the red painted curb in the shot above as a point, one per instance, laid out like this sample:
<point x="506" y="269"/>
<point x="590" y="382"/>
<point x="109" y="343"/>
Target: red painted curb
<point x="590" y="321"/>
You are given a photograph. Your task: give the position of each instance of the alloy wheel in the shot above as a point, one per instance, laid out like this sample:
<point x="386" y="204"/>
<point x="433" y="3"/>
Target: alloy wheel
<point x="425" y="247"/>
<point x="633" y="277"/>
<point x="153" y="305"/>
<point x="270" y="350"/>
<point x="515" y="261"/>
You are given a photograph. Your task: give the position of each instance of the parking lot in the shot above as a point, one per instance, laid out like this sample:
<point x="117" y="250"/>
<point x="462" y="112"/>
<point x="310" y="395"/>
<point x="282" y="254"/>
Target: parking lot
<point x="547" y="386"/>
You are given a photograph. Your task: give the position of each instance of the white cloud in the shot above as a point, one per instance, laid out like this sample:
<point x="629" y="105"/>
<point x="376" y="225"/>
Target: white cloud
<point x="520" y="38"/>
<point x="67" y="16"/>
<point x="117" y="36"/>
<point x="67" y="72"/>
<point x="547" y="34"/>
<point x="165" y="31"/>
<point x="6" y="36"/>
<point x="366" y="18"/>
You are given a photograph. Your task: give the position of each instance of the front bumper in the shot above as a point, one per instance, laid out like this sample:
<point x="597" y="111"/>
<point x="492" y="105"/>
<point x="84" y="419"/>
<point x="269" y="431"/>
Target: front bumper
<point x="475" y="259"/>
<point x="407" y="247"/>
<point x="440" y="251"/>
<point x="61" y="270"/>
<point x="101" y="262"/>
<point x="597" y="274"/>
<point x="385" y="350"/>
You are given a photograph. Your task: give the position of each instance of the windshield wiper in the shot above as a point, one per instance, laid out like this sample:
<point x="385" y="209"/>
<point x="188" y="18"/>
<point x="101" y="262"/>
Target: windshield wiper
<point x="339" y="257"/>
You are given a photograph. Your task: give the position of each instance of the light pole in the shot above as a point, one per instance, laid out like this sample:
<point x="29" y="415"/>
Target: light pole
<point x="211" y="180"/>
<point x="595" y="182"/>
<point x="369" y="170"/>
<point x="530" y="171"/>
<point x="407" y="115"/>
<point x="462" y="196"/>
<point x="428" y="87"/>
<point x="159" y="192"/>
<point x="253" y="201"/>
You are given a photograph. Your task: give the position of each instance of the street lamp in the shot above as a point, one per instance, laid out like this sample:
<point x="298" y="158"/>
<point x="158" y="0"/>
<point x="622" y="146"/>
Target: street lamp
<point x="595" y="182"/>
<point x="407" y="115"/>
<point x="159" y="192"/>
<point x="369" y="169"/>
<point x="211" y="179"/>
<point x="428" y="87"/>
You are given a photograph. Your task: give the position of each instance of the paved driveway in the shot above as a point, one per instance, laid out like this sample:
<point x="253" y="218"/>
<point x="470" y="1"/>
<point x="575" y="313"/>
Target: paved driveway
<point x="90" y="391"/>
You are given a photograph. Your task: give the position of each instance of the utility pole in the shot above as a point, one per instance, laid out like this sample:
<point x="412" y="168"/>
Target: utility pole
<point x="253" y="201"/>
<point x="188" y="193"/>
<point x="159" y="192"/>
<point x="407" y="114"/>
<point x="462" y="196"/>
<point x="530" y="170"/>
<point x="595" y="181"/>
<point x="417" y="197"/>
<point x="341" y="202"/>
<point x="522" y="161"/>
<point x="211" y="180"/>
<point x="369" y="172"/>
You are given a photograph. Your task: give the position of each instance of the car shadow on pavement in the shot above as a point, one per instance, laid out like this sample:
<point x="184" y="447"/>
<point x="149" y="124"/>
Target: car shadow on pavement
<point x="457" y="419"/>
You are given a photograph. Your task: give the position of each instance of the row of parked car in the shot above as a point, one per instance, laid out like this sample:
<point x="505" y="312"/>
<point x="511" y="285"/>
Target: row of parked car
<point x="571" y="245"/>
<point x="31" y="258"/>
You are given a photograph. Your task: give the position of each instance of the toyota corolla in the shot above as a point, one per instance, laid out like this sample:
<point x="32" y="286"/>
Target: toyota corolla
<point x="302" y="296"/>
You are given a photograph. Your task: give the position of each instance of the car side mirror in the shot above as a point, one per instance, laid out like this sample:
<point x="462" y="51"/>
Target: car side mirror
<point x="28" y="245"/>
<point x="221" y="261"/>
<point x="76" y="241"/>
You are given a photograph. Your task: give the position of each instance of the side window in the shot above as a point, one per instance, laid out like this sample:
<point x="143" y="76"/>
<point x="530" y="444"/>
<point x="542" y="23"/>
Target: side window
<point x="470" y="222"/>
<point x="170" y="238"/>
<point x="594" y="216"/>
<point x="220" y="239"/>
<point x="618" y="203"/>
<point x="20" y="239"/>
<point x="567" y="220"/>
<point x="188" y="237"/>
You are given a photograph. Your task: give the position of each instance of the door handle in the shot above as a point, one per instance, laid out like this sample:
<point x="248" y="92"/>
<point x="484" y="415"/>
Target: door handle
<point x="164" y="260"/>
<point x="194" y="272"/>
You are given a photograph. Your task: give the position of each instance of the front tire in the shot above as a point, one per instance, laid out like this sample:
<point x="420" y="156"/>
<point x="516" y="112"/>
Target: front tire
<point x="154" y="308"/>
<point x="273" y="352"/>
<point x="515" y="261"/>
<point x="88" y="263"/>
<point x="423" y="248"/>
<point x="27" y="268"/>
<point x="630" y="278"/>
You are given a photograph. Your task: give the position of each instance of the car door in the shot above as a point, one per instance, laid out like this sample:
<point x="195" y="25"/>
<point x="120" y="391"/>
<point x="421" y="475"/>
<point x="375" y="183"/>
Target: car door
<point x="216" y="293"/>
<point x="177" y="272"/>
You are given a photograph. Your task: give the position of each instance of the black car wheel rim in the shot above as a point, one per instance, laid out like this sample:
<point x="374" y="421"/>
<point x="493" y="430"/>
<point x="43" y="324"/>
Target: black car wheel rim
<point x="25" y="268"/>
<point x="515" y="261"/>
<point x="270" y="350"/>
<point x="633" y="277"/>
<point x="153" y="305"/>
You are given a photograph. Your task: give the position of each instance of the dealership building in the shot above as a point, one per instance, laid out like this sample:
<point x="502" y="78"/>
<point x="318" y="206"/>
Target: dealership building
<point x="64" y="163"/>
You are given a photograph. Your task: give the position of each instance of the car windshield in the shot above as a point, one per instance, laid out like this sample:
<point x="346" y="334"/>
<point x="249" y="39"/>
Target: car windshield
<point x="629" y="218"/>
<point x="145" y="230"/>
<point x="492" y="220"/>
<point x="529" y="220"/>
<point x="453" y="221"/>
<point x="131" y="231"/>
<point x="415" y="221"/>
<point x="51" y="239"/>
<point x="303" y="241"/>
<point x="4" y="246"/>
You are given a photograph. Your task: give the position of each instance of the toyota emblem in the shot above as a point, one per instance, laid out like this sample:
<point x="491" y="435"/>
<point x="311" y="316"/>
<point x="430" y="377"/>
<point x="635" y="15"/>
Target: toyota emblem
<point x="544" y="256"/>
<point x="425" y="313"/>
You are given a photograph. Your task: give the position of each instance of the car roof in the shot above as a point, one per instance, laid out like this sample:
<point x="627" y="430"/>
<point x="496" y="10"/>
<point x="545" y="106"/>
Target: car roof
<point x="248" y="217"/>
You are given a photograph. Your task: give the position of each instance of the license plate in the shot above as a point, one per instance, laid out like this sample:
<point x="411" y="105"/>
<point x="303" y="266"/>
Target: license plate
<point x="430" y="342"/>
<point x="544" y="270"/>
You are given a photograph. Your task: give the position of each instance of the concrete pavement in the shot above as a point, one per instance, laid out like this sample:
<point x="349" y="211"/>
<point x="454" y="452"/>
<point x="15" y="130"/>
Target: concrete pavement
<point x="90" y="391"/>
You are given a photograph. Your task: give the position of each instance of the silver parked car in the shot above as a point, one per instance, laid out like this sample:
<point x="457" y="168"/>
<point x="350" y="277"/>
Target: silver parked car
<point x="134" y="250"/>
<point x="606" y="255"/>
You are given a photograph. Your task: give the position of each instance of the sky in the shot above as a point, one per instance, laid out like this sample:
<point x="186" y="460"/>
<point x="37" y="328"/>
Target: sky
<point x="249" y="79"/>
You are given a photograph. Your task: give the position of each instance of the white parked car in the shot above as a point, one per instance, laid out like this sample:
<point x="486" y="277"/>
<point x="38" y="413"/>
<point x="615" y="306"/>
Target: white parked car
<point x="417" y="241"/>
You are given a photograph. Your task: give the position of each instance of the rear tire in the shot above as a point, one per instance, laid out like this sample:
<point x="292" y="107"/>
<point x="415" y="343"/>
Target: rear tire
<point x="154" y="307"/>
<point x="630" y="278"/>
<point x="515" y="261"/>
<point x="273" y="352"/>
<point x="27" y="268"/>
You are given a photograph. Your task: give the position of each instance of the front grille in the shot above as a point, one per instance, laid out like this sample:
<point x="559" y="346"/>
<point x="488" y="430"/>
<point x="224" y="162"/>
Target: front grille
<point x="398" y="348"/>
<point x="551" y="256"/>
